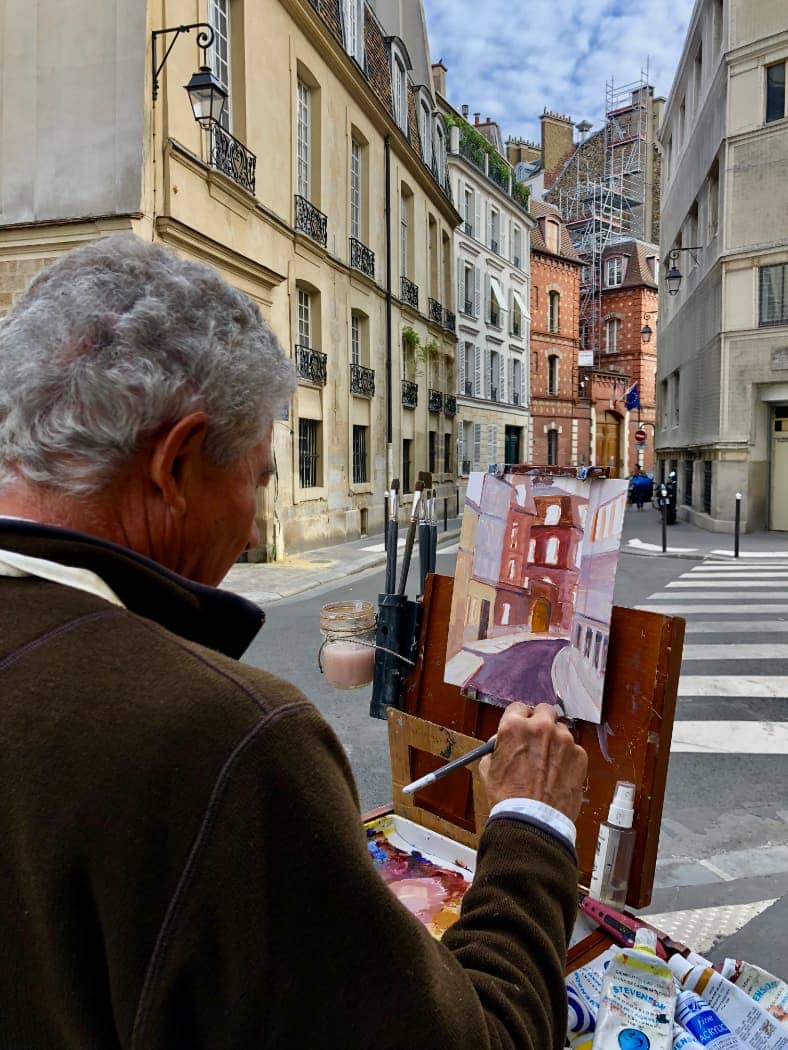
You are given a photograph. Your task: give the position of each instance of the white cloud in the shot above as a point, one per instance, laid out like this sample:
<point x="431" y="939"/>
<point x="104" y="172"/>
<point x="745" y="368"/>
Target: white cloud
<point x="511" y="62"/>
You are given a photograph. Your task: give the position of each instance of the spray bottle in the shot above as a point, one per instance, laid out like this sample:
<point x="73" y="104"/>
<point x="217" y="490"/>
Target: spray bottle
<point x="613" y="857"/>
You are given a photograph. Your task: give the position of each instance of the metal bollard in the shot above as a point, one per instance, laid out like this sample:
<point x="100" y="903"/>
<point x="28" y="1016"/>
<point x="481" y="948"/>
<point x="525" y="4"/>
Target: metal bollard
<point x="663" y="501"/>
<point x="737" y="526"/>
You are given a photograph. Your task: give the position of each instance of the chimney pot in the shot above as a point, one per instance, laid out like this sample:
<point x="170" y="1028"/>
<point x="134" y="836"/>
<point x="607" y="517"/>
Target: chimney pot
<point x="465" y="110"/>
<point x="476" y="118"/>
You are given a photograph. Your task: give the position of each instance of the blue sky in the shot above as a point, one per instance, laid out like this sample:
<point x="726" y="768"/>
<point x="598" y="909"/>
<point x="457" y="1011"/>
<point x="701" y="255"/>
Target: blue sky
<point x="509" y="61"/>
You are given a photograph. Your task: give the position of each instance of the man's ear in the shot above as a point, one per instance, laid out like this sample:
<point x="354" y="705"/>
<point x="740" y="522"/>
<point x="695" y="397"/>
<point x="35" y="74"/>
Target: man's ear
<point x="176" y="452"/>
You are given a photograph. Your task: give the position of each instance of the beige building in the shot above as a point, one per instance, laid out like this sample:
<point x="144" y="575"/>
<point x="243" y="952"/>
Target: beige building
<point x="722" y="367"/>
<point x="330" y="162"/>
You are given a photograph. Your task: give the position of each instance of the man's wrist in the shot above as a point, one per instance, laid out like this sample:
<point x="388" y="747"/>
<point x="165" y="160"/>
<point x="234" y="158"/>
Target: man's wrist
<point x="546" y="816"/>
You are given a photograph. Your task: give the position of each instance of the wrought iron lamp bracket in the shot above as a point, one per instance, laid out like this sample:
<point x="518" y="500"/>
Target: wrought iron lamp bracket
<point x="205" y="39"/>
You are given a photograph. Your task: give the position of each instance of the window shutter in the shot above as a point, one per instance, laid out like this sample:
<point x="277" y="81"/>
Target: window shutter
<point x="476" y="291"/>
<point x="492" y="443"/>
<point x="477" y="369"/>
<point x="523" y="370"/>
<point x="485" y="391"/>
<point x="502" y="380"/>
<point x="477" y="216"/>
<point x="461" y="370"/>
<point x="477" y="445"/>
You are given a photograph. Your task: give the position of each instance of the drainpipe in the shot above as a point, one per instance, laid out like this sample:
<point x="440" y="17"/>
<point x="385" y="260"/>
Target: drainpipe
<point x="389" y="412"/>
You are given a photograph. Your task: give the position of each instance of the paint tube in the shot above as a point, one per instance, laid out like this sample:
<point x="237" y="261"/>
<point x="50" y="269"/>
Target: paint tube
<point x="684" y="1040"/>
<point x="708" y="1029"/>
<point x="584" y="994"/>
<point x="638" y="999"/>
<point x="768" y="991"/>
<point x="753" y="1026"/>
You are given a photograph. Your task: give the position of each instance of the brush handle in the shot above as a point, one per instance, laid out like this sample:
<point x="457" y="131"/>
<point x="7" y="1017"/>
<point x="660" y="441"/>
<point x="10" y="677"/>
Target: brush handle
<point x="457" y="763"/>
<point x="406" y="556"/>
<point x="425" y="551"/>
<point x="391" y="557"/>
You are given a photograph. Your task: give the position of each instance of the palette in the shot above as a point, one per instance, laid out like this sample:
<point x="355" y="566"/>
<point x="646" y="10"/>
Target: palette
<point x="426" y="871"/>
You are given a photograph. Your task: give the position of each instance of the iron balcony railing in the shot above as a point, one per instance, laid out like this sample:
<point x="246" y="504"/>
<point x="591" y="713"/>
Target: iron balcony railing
<point x="311" y="365"/>
<point x="450" y="405"/>
<point x="469" y="388"/>
<point x="362" y="380"/>
<point x="435" y="400"/>
<point x="449" y="321"/>
<point x="435" y="311"/>
<point x="231" y="157"/>
<point x="362" y="258"/>
<point x="410" y="394"/>
<point x="469" y="307"/>
<point x="409" y="293"/>
<point x="311" y="220"/>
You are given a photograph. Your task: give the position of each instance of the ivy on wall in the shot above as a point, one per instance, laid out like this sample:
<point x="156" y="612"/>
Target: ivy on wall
<point x="475" y="145"/>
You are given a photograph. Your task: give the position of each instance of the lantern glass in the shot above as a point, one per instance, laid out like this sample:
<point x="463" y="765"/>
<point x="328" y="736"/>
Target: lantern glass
<point x="645" y="332"/>
<point x="207" y="97"/>
<point x="673" y="279"/>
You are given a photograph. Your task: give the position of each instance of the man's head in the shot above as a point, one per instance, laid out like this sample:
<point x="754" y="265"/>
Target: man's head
<point x="142" y="386"/>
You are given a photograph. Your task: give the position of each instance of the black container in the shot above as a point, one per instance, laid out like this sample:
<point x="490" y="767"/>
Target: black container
<point x="395" y="638"/>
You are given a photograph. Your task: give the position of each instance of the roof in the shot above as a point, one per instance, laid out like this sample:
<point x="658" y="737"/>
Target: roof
<point x="566" y="250"/>
<point x="638" y="270"/>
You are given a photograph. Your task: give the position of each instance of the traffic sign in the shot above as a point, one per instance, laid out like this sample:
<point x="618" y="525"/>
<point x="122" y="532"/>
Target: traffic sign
<point x="640" y="437"/>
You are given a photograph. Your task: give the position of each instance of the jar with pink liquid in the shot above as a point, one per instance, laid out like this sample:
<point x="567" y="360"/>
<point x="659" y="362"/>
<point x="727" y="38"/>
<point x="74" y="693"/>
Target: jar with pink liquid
<point x="347" y="655"/>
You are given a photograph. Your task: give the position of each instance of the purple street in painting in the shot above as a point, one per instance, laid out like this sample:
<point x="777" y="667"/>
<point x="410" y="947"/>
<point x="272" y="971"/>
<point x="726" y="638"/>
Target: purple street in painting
<point x="533" y="590"/>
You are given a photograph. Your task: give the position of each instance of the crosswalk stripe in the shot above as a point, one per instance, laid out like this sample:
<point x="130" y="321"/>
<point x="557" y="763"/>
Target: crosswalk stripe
<point x="735" y="626"/>
<point x="739" y="574"/>
<point x="714" y="595"/>
<point x="755" y="554"/>
<point x="740" y="651"/>
<point x="744" y="685"/>
<point x="728" y="582"/>
<point x="680" y="608"/>
<point x="730" y="738"/>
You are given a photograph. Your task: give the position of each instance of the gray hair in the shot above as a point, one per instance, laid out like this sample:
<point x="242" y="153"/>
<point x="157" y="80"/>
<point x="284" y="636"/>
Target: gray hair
<point x="117" y="339"/>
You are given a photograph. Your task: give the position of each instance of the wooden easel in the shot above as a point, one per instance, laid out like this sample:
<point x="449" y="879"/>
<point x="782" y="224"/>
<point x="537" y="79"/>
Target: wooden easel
<point x="439" y="723"/>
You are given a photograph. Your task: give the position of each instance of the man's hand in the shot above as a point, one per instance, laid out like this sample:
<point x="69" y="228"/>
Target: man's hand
<point x="535" y="757"/>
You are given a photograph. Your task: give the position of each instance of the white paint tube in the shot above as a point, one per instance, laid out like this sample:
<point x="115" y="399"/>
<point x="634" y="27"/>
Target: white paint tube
<point x="768" y="991"/>
<point x="708" y="1029"/>
<point x="638" y="999"/>
<point x="584" y="994"/>
<point x="753" y="1026"/>
<point x="684" y="1040"/>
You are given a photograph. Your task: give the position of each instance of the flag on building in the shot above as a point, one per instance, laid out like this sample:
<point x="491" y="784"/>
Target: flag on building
<point x="632" y="397"/>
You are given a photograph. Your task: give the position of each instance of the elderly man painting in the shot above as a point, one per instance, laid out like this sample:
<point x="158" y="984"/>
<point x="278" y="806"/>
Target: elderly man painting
<point x="182" y="861"/>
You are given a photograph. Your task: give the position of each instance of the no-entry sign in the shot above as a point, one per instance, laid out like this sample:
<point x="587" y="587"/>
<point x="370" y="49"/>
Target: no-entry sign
<point x="640" y="437"/>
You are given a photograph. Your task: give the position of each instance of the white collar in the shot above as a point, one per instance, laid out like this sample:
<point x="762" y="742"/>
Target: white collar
<point x="13" y="564"/>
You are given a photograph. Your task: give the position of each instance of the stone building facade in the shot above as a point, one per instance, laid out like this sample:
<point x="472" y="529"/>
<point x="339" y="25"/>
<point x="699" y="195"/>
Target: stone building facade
<point x="722" y="372"/>
<point x="287" y="198"/>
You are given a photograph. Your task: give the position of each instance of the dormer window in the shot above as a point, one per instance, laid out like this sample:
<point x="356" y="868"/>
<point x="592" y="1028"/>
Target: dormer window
<point x="551" y="235"/>
<point x="424" y="130"/>
<point x="353" y="12"/>
<point x="440" y="150"/>
<point x="614" y="271"/>
<point x="399" y="87"/>
<point x="653" y="263"/>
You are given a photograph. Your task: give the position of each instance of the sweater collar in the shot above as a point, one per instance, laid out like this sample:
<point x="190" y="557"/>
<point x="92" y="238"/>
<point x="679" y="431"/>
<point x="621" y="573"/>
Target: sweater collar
<point x="209" y="616"/>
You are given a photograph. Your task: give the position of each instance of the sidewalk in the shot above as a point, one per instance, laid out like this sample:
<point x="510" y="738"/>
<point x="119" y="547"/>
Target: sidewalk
<point x="643" y="535"/>
<point x="268" y="582"/>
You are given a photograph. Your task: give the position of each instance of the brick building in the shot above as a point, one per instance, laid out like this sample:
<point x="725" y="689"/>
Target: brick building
<point x="560" y="419"/>
<point x="629" y="304"/>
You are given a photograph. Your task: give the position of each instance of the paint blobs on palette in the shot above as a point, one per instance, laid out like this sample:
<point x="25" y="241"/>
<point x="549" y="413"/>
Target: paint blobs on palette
<point x="431" y="892"/>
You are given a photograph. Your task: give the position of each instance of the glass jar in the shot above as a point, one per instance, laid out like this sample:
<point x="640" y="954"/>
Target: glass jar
<point x="347" y="655"/>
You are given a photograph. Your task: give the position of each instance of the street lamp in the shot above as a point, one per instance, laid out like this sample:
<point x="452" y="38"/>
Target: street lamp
<point x="674" y="274"/>
<point x="206" y="95"/>
<point x="646" y="332"/>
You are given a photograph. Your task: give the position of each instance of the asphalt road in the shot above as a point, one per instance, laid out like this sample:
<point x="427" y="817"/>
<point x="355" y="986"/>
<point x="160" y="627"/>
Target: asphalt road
<point x="724" y="845"/>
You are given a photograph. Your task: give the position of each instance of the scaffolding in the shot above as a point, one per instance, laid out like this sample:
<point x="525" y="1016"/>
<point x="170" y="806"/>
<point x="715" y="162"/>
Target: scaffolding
<point x="608" y="206"/>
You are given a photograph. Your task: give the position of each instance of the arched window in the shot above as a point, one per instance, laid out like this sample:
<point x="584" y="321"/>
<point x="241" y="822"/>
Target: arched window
<point x="553" y="515"/>
<point x="552" y="374"/>
<point x="553" y="312"/>
<point x="551" y="553"/>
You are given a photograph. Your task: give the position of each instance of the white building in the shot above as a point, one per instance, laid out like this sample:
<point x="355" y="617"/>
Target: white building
<point x="722" y="368"/>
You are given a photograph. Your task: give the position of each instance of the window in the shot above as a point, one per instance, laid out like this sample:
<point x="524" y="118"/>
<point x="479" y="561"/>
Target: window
<point x="219" y="17"/>
<point x="470" y="367"/>
<point x="308" y="457"/>
<point x="552" y="448"/>
<point x="552" y="374"/>
<point x="551" y="235"/>
<point x="615" y="271"/>
<point x="713" y="198"/>
<point x="697" y="76"/>
<point x="707" y="481"/>
<point x="663" y="399"/>
<point x="468" y="284"/>
<point x="492" y="378"/>
<point x="431" y="456"/>
<point x="447" y="453"/>
<point x="303" y="133"/>
<point x="675" y="399"/>
<point x="517" y="381"/>
<point x="304" y="318"/>
<point x="692" y="232"/>
<point x="517" y="247"/>
<point x="681" y="122"/>
<point x="773" y="282"/>
<point x="553" y="546"/>
<point x="494" y="230"/>
<point x="355" y="339"/>
<point x="716" y="26"/>
<point x="424" y="131"/>
<point x="653" y="265"/>
<point x="399" y="86"/>
<point x="407" y="465"/>
<point x="404" y="212"/>
<point x="355" y="189"/>
<point x="517" y="317"/>
<point x="360" y="455"/>
<point x="497" y="302"/>
<point x="775" y="91"/>
<point x="469" y="211"/>
<point x="553" y="312"/>
<point x="354" y="35"/>
<point x="553" y="515"/>
<point x="667" y="155"/>
<point x="613" y="335"/>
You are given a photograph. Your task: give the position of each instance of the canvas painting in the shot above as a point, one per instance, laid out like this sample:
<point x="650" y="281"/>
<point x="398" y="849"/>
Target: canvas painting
<point x="533" y="590"/>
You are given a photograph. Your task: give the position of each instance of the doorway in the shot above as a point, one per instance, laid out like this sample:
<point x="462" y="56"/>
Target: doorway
<point x="778" y="516"/>
<point x="608" y="442"/>
<point x="540" y="616"/>
<point x="484" y="619"/>
<point x="511" y="448"/>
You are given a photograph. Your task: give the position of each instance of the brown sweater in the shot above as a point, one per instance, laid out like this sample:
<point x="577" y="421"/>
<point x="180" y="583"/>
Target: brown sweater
<point x="183" y="864"/>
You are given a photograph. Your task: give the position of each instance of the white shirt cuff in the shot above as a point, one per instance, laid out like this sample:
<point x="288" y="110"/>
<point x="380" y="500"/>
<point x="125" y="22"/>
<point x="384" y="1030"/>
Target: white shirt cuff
<point x="529" y="807"/>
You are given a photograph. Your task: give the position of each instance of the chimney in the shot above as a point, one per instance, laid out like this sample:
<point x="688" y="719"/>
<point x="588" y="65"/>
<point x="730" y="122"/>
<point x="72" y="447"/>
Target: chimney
<point x="465" y="110"/>
<point x="557" y="142"/>
<point x="520" y="150"/>
<point x="476" y="118"/>
<point x="439" y="72"/>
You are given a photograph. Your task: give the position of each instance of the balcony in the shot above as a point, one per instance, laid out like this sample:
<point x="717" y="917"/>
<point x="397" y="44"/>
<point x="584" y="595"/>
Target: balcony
<point x="435" y="401"/>
<point x="449" y="321"/>
<point x="409" y="293"/>
<point x="310" y="220"/>
<point x="362" y="258"/>
<point x="469" y="388"/>
<point x="410" y="394"/>
<point x="311" y="365"/>
<point x="435" y="311"/>
<point x="362" y="380"/>
<point x="231" y="157"/>
<point x="450" y="405"/>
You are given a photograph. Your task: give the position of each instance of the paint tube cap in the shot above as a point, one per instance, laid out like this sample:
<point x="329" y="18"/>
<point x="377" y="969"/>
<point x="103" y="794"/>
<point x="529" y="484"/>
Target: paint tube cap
<point x="646" y="940"/>
<point x="622" y="808"/>
<point x="680" y="967"/>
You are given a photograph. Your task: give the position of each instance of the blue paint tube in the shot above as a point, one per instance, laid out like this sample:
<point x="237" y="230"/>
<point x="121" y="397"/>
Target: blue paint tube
<point x="684" y="1040"/>
<point x="707" y="1028"/>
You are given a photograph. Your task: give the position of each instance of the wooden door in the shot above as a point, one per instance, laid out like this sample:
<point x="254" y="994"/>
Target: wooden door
<point x="608" y="442"/>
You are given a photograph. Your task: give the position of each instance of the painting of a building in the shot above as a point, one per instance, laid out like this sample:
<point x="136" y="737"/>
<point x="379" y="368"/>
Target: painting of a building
<point x="529" y="577"/>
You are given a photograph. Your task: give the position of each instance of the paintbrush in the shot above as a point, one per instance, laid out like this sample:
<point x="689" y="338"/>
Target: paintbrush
<point x="425" y="542"/>
<point x="457" y="763"/>
<point x="392" y="529"/>
<point x="433" y="534"/>
<point x="411" y="535"/>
